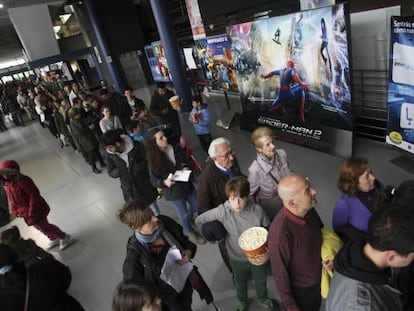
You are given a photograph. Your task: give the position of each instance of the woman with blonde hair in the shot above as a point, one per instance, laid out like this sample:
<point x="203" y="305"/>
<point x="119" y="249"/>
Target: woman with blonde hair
<point x="270" y="166"/>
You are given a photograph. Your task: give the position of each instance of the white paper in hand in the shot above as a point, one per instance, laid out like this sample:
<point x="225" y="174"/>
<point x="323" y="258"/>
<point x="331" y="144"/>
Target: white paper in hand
<point x="174" y="274"/>
<point x="182" y="175"/>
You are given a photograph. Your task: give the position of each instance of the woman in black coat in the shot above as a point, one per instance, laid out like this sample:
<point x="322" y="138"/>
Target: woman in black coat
<point x="164" y="160"/>
<point x="85" y="138"/>
<point x="147" y="249"/>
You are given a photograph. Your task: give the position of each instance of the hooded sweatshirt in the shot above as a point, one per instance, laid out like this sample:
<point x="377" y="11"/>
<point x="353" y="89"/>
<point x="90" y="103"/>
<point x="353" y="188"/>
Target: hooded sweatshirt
<point x="23" y="195"/>
<point x="358" y="284"/>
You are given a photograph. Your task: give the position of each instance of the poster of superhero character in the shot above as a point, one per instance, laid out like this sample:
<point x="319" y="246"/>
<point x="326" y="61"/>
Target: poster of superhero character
<point x="294" y="75"/>
<point x="400" y="125"/>
<point x="215" y="57"/>
<point x="158" y="62"/>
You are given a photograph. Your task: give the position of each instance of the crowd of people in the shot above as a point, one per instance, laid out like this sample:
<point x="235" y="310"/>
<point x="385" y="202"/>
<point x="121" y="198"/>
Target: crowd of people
<point x="141" y="147"/>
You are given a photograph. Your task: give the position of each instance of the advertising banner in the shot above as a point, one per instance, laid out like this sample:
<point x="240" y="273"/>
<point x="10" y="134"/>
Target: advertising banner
<point x="157" y="62"/>
<point x="313" y="4"/>
<point x="214" y="55"/>
<point x="196" y="22"/>
<point x="400" y="126"/>
<point x="294" y="76"/>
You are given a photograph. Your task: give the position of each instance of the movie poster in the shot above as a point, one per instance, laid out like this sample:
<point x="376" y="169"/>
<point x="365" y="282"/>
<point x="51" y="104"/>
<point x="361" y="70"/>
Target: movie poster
<point x="400" y="126"/>
<point x="196" y="22"/>
<point x="157" y="62"/>
<point x="215" y="57"/>
<point x="314" y="4"/>
<point x="294" y="76"/>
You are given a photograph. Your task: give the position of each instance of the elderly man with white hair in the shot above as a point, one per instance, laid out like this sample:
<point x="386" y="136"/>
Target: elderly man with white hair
<point x="294" y="243"/>
<point x="221" y="167"/>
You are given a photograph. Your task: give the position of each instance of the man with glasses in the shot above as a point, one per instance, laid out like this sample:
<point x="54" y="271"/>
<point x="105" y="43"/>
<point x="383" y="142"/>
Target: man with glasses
<point x="221" y="167"/>
<point x="294" y="243"/>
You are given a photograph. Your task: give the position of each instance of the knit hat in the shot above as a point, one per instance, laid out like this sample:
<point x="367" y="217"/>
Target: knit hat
<point x="9" y="164"/>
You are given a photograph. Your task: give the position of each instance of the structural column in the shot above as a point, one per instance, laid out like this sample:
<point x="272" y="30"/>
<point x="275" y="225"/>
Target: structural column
<point x="172" y="50"/>
<point x="103" y="44"/>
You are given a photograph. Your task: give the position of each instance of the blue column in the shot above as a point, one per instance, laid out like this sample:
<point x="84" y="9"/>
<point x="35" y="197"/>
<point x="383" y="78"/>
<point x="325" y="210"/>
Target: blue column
<point x="172" y="50"/>
<point x="103" y="44"/>
<point x="96" y="62"/>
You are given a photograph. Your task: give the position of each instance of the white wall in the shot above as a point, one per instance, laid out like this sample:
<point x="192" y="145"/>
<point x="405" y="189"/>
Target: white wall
<point x="370" y="32"/>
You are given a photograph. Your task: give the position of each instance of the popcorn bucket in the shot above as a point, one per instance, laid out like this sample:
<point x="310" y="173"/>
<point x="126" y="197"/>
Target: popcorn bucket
<point x="175" y="102"/>
<point x="253" y="242"/>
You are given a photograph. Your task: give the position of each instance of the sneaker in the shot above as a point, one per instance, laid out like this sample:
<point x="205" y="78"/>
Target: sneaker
<point x="196" y="238"/>
<point x="241" y="306"/>
<point x="64" y="242"/>
<point x="267" y="303"/>
<point x="52" y="244"/>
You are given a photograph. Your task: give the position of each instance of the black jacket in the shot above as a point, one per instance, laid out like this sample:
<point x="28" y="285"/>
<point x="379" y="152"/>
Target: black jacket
<point x="180" y="189"/>
<point x="49" y="280"/>
<point x="135" y="180"/>
<point x="211" y="184"/>
<point x="141" y="264"/>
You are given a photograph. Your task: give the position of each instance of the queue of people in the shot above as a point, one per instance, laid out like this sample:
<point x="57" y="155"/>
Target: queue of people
<point x="140" y="146"/>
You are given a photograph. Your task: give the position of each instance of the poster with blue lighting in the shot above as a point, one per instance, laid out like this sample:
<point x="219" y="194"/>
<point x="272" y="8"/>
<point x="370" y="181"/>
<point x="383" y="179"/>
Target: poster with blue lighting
<point x="400" y="125"/>
<point x="216" y="60"/>
<point x="294" y="76"/>
<point x="157" y="62"/>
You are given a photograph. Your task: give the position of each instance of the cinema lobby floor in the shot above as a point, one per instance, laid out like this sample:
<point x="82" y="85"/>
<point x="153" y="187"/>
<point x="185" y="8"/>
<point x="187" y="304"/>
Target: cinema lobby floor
<point x="84" y="204"/>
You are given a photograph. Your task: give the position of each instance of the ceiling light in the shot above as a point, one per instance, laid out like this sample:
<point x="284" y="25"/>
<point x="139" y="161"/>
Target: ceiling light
<point x="1" y="5"/>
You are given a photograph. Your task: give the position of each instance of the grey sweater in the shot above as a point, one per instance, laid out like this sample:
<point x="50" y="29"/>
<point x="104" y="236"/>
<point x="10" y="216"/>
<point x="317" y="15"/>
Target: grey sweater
<point x="235" y="223"/>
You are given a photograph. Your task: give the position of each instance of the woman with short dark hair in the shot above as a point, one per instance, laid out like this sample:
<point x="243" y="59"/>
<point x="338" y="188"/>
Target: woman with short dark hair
<point x="354" y="208"/>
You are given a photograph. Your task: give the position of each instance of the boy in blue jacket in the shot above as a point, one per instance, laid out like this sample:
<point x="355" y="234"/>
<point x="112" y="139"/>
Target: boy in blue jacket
<point x="200" y="117"/>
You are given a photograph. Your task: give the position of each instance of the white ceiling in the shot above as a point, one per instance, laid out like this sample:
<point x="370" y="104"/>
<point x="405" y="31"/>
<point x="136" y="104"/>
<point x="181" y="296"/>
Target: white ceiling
<point x="10" y="46"/>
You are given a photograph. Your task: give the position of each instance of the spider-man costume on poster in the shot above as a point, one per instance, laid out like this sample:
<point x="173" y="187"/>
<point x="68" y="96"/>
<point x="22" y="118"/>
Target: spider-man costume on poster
<point x="291" y="87"/>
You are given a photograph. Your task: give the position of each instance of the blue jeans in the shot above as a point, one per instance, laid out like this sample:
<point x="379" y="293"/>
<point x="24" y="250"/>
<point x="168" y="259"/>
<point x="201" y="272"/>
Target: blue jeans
<point x="186" y="212"/>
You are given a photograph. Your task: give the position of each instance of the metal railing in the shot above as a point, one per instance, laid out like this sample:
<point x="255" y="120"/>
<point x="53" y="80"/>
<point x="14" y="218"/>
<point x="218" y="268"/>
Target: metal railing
<point x="370" y="103"/>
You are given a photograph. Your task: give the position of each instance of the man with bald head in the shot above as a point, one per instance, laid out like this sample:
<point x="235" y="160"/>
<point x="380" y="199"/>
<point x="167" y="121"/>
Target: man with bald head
<point x="294" y="243"/>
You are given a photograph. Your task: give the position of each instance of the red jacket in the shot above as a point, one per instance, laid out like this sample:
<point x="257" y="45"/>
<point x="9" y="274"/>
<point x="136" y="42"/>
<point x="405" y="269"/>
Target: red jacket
<point x="25" y="199"/>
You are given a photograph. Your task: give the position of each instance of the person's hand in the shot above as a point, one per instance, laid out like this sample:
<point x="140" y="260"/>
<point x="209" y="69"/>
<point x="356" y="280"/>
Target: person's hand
<point x="186" y="254"/>
<point x="328" y="265"/>
<point x="169" y="182"/>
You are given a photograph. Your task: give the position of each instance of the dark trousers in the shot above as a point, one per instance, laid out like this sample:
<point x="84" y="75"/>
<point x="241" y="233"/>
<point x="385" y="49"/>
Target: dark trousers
<point x="308" y="298"/>
<point x="93" y="156"/>
<point x="174" y="301"/>
<point x="205" y="141"/>
<point x="241" y="272"/>
<point x="17" y="118"/>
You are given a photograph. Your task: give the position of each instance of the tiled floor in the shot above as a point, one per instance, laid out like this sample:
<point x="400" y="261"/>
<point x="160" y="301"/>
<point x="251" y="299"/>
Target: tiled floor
<point x="84" y="204"/>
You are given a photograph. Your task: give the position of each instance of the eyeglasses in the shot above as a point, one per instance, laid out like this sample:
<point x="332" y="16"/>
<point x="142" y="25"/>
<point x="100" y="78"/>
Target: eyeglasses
<point x="226" y="155"/>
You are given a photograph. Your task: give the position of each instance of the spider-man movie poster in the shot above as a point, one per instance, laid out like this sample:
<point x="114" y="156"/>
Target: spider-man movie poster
<point x="400" y="126"/>
<point x="294" y="76"/>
